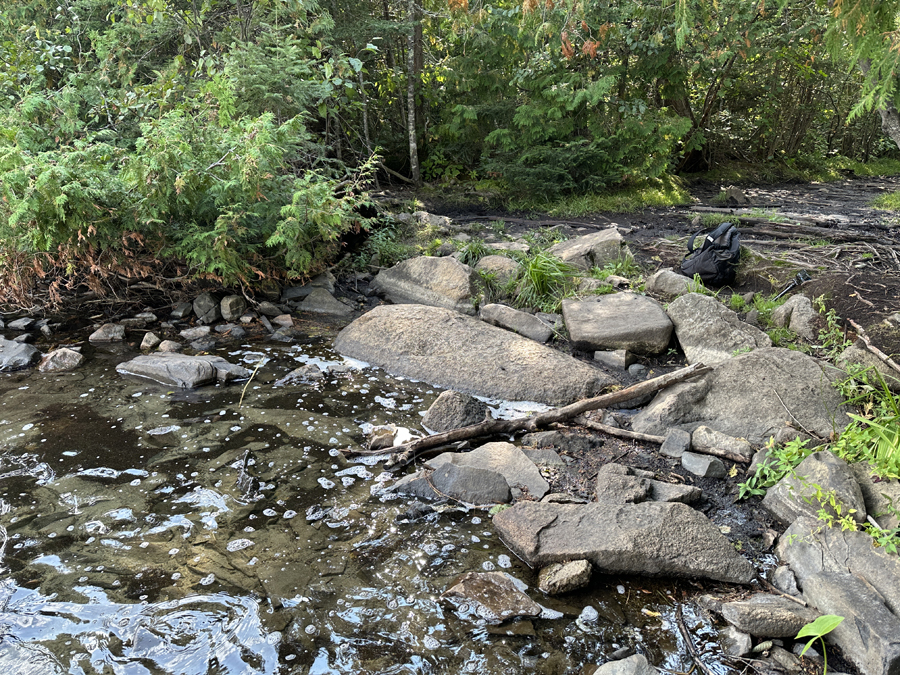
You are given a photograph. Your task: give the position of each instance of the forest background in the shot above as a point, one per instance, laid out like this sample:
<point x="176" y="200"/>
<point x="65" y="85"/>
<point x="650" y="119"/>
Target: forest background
<point x="237" y="139"/>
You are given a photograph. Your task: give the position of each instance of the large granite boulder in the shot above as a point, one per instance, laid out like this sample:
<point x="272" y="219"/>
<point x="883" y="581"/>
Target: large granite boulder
<point x="592" y="250"/>
<point x="709" y="332"/>
<point x="653" y="538"/>
<point x="746" y="397"/>
<point x="181" y="370"/>
<point x="447" y="349"/>
<point x="15" y="355"/>
<point x="438" y="282"/>
<point x="618" y="321"/>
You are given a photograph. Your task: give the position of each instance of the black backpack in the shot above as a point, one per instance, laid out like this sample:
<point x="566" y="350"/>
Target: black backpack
<point x="716" y="260"/>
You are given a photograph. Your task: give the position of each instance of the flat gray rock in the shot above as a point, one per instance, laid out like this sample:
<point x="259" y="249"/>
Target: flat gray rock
<point x="184" y="371"/>
<point x="711" y="333"/>
<point x="108" y="332"/>
<point x="450" y="350"/>
<point x="667" y="283"/>
<point x="437" y="282"/>
<point x="869" y="635"/>
<point x="592" y="250"/>
<point x="705" y="466"/>
<point x="566" y="577"/>
<point x="522" y="323"/>
<point x="618" y="321"/>
<point x="653" y="538"/>
<point x="708" y="440"/>
<point x="743" y="396"/>
<point x="24" y="323"/>
<point x="470" y="484"/>
<point x="503" y="458"/>
<point x="619" y="484"/>
<point x="768" y="616"/>
<point x="793" y="496"/>
<point x="15" y="355"/>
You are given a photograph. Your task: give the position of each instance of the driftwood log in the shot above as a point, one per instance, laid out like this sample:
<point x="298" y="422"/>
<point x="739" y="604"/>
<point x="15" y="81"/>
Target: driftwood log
<point x="405" y="453"/>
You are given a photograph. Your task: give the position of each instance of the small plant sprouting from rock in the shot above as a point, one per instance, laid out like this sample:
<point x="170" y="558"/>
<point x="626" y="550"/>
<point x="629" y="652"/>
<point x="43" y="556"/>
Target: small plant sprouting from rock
<point x="818" y="629"/>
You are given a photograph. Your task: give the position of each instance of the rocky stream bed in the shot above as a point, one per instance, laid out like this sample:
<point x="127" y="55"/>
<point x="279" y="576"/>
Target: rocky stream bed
<point x="182" y="492"/>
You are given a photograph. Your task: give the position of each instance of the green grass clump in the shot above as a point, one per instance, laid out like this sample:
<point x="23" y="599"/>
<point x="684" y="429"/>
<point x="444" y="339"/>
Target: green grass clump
<point x="652" y="192"/>
<point x="887" y="202"/>
<point x="542" y="282"/>
<point x="473" y="251"/>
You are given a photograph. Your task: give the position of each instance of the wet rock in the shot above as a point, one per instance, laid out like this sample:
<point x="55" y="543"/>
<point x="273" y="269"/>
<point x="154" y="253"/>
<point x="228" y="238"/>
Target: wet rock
<point x="500" y="266"/>
<point x="709" y="332"/>
<point x="869" y="635"/>
<point x="678" y="442"/>
<point x="503" y="458"/>
<point x="654" y="538"/>
<point x="633" y="665"/>
<point x="708" y="440"/>
<point x="283" y="320"/>
<point x="616" y="359"/>
<point x="415" y="511"/>
<point x="448" y="349"/>
<point x="667" y="283"/>
<point x="150" y="341"/>
<point x="619" y="484"/>
<point x="454" y="410"/>
<point x="381" y="438"/>
<point x="618" y="321"/>
<point x="522" y="323"/>
<point x="181" y="310"/>
<point x="738" y="398"/>
<point x="203" y="344"/>
<point x="320" y="301"/>
<point x="170" y="346"/>
<point x="735" y="642"/>
<point x="195" y="333"/>
<point x="559" y="578"/>
<point x="60" y="359"/>
<point x="108" y="332"/>
<point x="768" y="616"/>
<point x="592" y="250"/>
<point x="705" y="466"/>
<point x="798" y="315"/>
<point x="436" y="282"/>
<point x="784" y="661"/>
<point x="232" y="307"/>
<point x="497" y="596"/>
<point x="470" y="484"/>
<point x="25" y="323"/>
<point x="417" y="485"/>
<point x="302" y="375"/>
<point x="206" y="307"/>
<point x="794" y="495"/>
<point x="810" y="548"/>
<point x="182" y="371"/>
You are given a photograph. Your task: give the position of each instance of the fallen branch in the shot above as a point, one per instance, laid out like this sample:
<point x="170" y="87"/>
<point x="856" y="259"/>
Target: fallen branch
<point x="689" y="643"/>
<point x="872" y="348"/>
<point x="621" y="433"/>
<point x="405" y="453"/>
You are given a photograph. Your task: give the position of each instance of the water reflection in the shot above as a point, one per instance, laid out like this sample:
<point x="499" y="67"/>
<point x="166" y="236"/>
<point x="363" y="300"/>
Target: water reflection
<point x="222" y="531"/>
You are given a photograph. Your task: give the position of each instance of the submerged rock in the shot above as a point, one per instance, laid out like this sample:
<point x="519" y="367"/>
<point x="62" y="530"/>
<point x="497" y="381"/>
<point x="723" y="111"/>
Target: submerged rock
<point x="497" y="596"/>
<point x="181" y="370"/>
<point x="445" y="348"/>
<point x="654" y="538"/>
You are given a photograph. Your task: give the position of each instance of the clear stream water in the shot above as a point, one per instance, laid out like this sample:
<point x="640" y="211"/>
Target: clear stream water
<point x="145" y="530"/>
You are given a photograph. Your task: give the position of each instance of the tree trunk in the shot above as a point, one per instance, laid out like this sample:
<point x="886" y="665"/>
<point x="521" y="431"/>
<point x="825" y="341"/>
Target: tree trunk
<point x="411" y="76"/>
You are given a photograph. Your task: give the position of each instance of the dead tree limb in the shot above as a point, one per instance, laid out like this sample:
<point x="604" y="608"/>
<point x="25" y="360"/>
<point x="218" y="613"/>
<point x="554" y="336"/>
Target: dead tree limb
<point x="620" y="433"/>
<point x="872" y="348"/>
<point x="405" y="453"/>
<point x="689" y="643"/>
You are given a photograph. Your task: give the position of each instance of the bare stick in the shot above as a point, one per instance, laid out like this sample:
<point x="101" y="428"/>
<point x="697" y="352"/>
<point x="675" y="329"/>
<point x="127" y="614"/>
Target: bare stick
<point x="404" y="454"/>
<point x="621" y="433"/>
<point x="689" y="643"/>
<point x="872" y="348"/>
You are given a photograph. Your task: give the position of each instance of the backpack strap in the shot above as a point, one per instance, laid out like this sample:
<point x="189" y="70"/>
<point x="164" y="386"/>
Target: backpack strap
<point x="710" y="238"/>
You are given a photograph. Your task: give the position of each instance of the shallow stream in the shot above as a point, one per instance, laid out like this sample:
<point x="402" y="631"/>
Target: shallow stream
<point x="145" y="530"/>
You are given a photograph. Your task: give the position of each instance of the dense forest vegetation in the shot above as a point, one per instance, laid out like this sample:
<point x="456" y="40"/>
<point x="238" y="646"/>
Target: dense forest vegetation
<point x="240" y="137"/>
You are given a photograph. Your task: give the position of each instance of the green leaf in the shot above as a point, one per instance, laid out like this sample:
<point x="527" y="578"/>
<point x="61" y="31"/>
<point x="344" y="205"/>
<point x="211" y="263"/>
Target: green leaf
<point x="821" y="626"/>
